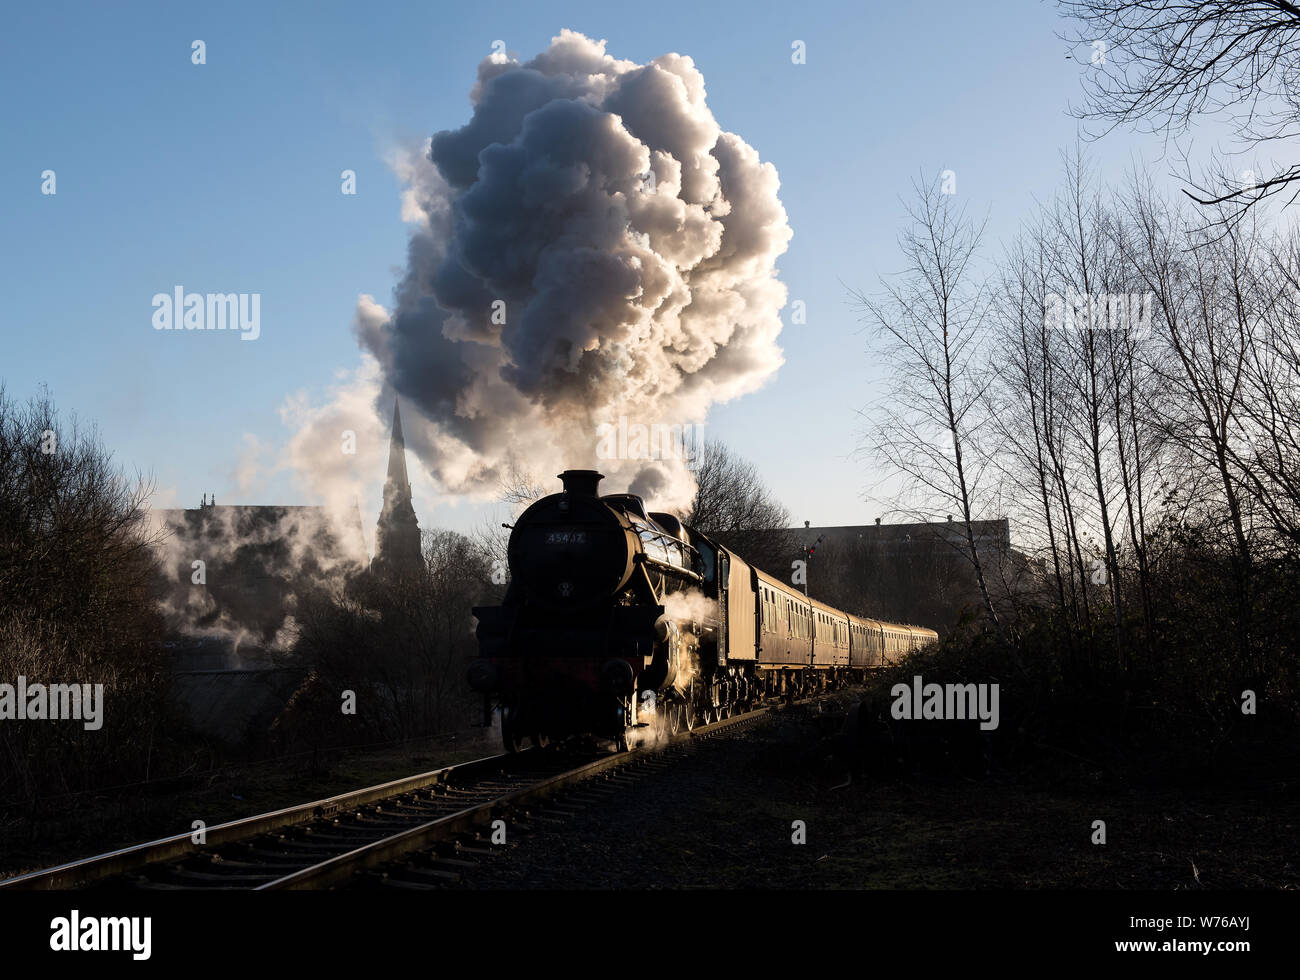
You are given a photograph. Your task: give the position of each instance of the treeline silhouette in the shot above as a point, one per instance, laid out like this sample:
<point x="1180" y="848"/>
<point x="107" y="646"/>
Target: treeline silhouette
<point x="82" y="596"/>
<point x="1123" y="382"/>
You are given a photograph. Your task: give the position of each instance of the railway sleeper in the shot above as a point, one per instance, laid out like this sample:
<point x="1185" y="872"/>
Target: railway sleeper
<point x="449" y="864"/>
<point x="431" y="874"/>
<point x="184" y="874"/>
<point x="386" y="881"/>
<point x="271" y="861"/>
<point x="287" y="858"/>
<point x="309" y="847"/>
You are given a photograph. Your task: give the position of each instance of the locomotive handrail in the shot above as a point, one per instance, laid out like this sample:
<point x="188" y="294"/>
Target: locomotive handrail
<point x="688" y="552"/>
<point x="660" y="533"/>
<point x="641" y="558"/>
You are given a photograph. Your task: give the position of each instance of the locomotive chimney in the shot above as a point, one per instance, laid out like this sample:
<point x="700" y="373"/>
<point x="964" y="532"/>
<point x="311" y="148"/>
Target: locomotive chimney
<point x="581" y="483"/>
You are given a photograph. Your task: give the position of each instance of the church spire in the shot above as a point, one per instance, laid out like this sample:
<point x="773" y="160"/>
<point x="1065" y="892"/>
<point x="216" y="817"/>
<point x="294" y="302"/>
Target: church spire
<point x="397" y="454"/>
<point x="397" y="540"/>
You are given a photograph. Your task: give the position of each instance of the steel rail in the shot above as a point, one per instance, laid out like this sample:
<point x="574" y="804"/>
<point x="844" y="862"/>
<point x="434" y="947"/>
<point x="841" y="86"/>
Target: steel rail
<point x="76" y="874"/>
<point x="322" y="874"/>
<point x="343" y="866"/>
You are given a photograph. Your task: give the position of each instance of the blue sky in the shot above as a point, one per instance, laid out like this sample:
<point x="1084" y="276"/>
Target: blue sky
<point x="225" y="177"/>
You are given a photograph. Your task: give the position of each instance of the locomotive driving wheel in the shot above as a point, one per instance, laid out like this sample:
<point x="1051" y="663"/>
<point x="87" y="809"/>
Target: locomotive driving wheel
<point x="672" y="717"/>
<point x="716" y="696"/>
<point x="688" y="709"/>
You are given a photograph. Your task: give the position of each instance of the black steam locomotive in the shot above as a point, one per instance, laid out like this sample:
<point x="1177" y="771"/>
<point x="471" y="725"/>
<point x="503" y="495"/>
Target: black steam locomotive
<point x="616" y="618"/>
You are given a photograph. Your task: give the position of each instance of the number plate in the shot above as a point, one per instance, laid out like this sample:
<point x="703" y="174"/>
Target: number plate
<point x="566" y="537"/>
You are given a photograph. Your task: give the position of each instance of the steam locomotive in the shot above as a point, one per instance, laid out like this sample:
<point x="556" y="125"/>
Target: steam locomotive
<point x="616" y="618"/>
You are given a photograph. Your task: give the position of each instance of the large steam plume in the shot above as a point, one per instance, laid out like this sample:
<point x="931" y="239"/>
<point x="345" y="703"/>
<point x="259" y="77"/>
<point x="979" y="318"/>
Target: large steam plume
<point x="633" y="244"/>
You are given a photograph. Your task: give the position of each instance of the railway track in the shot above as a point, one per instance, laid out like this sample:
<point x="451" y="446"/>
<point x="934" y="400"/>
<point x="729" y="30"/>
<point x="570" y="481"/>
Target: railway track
<point x="460" y="859"/>
<point x="420" y="831"/>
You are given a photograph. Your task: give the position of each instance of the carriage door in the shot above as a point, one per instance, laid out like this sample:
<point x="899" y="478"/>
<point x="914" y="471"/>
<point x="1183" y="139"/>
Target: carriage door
<point x="724" y="638"/>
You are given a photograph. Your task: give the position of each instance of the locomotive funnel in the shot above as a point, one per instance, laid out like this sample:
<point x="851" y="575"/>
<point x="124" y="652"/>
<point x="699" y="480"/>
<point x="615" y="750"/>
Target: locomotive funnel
<point x="581" y="483"/>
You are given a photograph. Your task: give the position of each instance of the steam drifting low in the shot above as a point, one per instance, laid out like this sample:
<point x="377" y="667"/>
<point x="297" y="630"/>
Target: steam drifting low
<point x="589" y="245"/>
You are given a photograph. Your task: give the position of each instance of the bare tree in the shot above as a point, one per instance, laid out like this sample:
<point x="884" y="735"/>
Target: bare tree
<point x="1161" y="64"/>
<point x="77" y="570"/>
<point x="517" y="490"/>
<point x="931" y="320"/>
<point x="401" y="642"/>
<point x="1022" y="408"/>
<point x="1086" y="268"/>
<point x="1206" y="302"/>
<point x="520" y="487"/>
<point x="1270" y="462"/>
<point x="734" y="506"/>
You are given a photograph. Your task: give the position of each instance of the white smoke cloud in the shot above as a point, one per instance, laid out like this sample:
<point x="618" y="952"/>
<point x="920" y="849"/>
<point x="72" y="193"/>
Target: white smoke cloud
<point x="278" y="551"/>
<point x="633" y="244"/>
<point x="689" y="606"/>
<point x="339" y="447"/>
